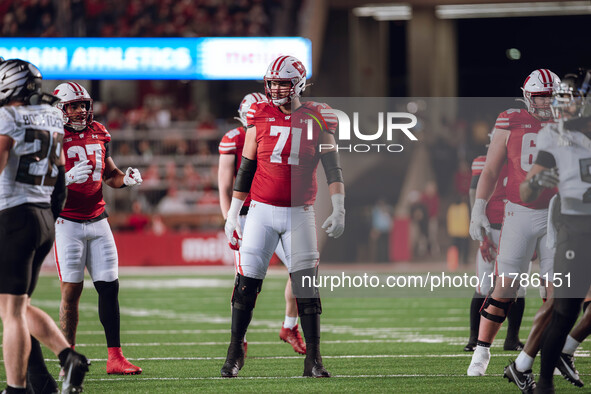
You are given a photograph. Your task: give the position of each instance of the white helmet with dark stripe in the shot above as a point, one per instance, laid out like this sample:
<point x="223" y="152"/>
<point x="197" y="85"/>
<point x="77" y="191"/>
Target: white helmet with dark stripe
<point x="541" y="82"/>
<point x="19" y="81"/>
<point x="285" y="68"/>
<point x="71" y="92"/>
<point x="247" y="101"/>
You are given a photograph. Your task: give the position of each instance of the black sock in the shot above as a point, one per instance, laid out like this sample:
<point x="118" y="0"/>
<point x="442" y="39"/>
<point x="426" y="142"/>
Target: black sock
<point x="553" y="340"/>
<point x="514" y="317"/>
<point x="311" y="327"/>
<point x="64" y="355"/>
<point x="36" y="362"/>
<point x="240" y="320"/>
<point x="475" y="306"/>
<point x="14" y="390"/>
<point x="108" y="308"/>
<point x="482" y="343"/>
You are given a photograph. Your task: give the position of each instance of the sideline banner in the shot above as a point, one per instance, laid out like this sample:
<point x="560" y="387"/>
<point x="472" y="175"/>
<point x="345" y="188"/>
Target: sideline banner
<point x="205" y="58"/>
<point x="180" y="249"/>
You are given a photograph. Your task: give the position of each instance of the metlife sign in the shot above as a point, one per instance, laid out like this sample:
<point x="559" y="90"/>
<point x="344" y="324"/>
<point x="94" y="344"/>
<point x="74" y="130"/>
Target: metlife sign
<point x="155" y="58"/>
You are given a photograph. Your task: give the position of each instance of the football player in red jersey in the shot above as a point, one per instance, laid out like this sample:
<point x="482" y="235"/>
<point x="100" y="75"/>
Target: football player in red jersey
<point x="524" y="225"/>
<point x="230" y="150"/>
<point x="83" y="236"/>
<point x="279" y="161"/>
<point x="485" y="258"/>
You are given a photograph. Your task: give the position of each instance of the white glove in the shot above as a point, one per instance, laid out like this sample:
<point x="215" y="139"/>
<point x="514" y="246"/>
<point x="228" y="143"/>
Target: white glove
<point x="232" y="223"/>
<point x="132" y="177"/>
<point x="479" y="221"/>
<point x="79" y="173"/>
<point x="335" y="224"/>
<point x="545" y="178"/>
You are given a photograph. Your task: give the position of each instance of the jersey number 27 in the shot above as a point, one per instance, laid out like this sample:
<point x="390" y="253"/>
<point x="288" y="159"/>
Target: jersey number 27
<point x="82" y="154"/>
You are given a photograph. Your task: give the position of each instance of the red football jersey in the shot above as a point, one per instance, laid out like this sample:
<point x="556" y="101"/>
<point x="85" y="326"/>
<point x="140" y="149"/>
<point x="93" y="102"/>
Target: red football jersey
<point x="85" y="200"/>
<point x="495" y="208"/>
<point x="521" y="151"/>
<point x="232" y="143"/>
<point x="287" y="156"/>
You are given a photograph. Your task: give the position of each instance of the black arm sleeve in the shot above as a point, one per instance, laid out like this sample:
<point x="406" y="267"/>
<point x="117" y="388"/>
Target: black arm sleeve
<point x="546" y="159"/>
<point x="474" y="181"/>
<point x="245" y="175"/>
<point x="107" y="150"/>
<point x="58" y="196"/>
<point x="332" y="167"/>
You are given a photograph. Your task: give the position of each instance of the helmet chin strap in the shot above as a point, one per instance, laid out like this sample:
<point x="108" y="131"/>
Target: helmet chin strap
<point x="77" y="126"/>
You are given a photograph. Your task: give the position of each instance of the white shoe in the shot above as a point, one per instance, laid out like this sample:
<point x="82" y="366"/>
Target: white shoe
<point x="479" y="362"/>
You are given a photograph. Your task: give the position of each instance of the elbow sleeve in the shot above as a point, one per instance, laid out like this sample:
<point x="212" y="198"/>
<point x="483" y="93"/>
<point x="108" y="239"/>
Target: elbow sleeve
<point x="58" y="196"/>
<point x="245" y="175"/>
<point x="332" y="167"/>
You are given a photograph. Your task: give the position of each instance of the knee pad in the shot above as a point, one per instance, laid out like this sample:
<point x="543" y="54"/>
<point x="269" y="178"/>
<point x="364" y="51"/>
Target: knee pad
<point x="304" y="283"/>
<point x="309" y="306"/>
<point x="245" y="292"/>
<point x="502" y="305"/>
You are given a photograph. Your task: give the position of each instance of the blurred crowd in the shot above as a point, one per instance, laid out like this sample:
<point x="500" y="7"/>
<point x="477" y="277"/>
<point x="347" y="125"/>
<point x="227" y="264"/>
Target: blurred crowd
<point x="137" y="18"/>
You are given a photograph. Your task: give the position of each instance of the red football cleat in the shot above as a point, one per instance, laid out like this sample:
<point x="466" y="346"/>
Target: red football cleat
<point x="117" y="364"/>
<point x="293" y="337"/>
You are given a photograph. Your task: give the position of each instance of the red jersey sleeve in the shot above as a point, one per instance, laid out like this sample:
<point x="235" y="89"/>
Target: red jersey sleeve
<point x="478" y="165"/>
<point x="231" y="142"/>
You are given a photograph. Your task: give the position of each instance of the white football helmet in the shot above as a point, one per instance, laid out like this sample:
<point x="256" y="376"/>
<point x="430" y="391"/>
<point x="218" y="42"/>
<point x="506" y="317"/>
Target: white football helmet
<point x="541" y="82"/>
<point x="285" y="68"/>
<point x="247" y="101"/>
<point x="71" y="92"/>
<point x="570" y="97"/>
<point x="19" y="81"/>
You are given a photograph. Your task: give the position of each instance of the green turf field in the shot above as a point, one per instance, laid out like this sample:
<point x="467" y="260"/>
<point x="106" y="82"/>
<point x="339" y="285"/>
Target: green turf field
<point x="176" y="327"/>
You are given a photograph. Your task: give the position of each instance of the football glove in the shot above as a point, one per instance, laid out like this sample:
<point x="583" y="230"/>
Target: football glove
<point x="232" y="227"/>
<point x="236" y="245"/>
<point x="479" y="221"/>
<point x="132" y="177"/>
<point x="79" y="173"/>
<point x="488" y="250"/>
<point x="335" y="224"/>
<point x="545" y="178"/>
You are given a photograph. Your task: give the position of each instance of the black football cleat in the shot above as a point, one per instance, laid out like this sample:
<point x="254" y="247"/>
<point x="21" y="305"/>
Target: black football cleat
<point x="313" y="368"/>
<point x="234" y="361"/>
<point x="470" y="347"/>
<point x="42" y="383"/>
<point x="75" y="369"/>
<point x="523" y="380"/>
<point x="566" y="366"/>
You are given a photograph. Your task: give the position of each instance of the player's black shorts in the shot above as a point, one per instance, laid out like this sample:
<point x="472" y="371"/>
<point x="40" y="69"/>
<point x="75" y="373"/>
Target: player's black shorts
<point x="26" y="236"/>
<point x="573" y="256"/>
